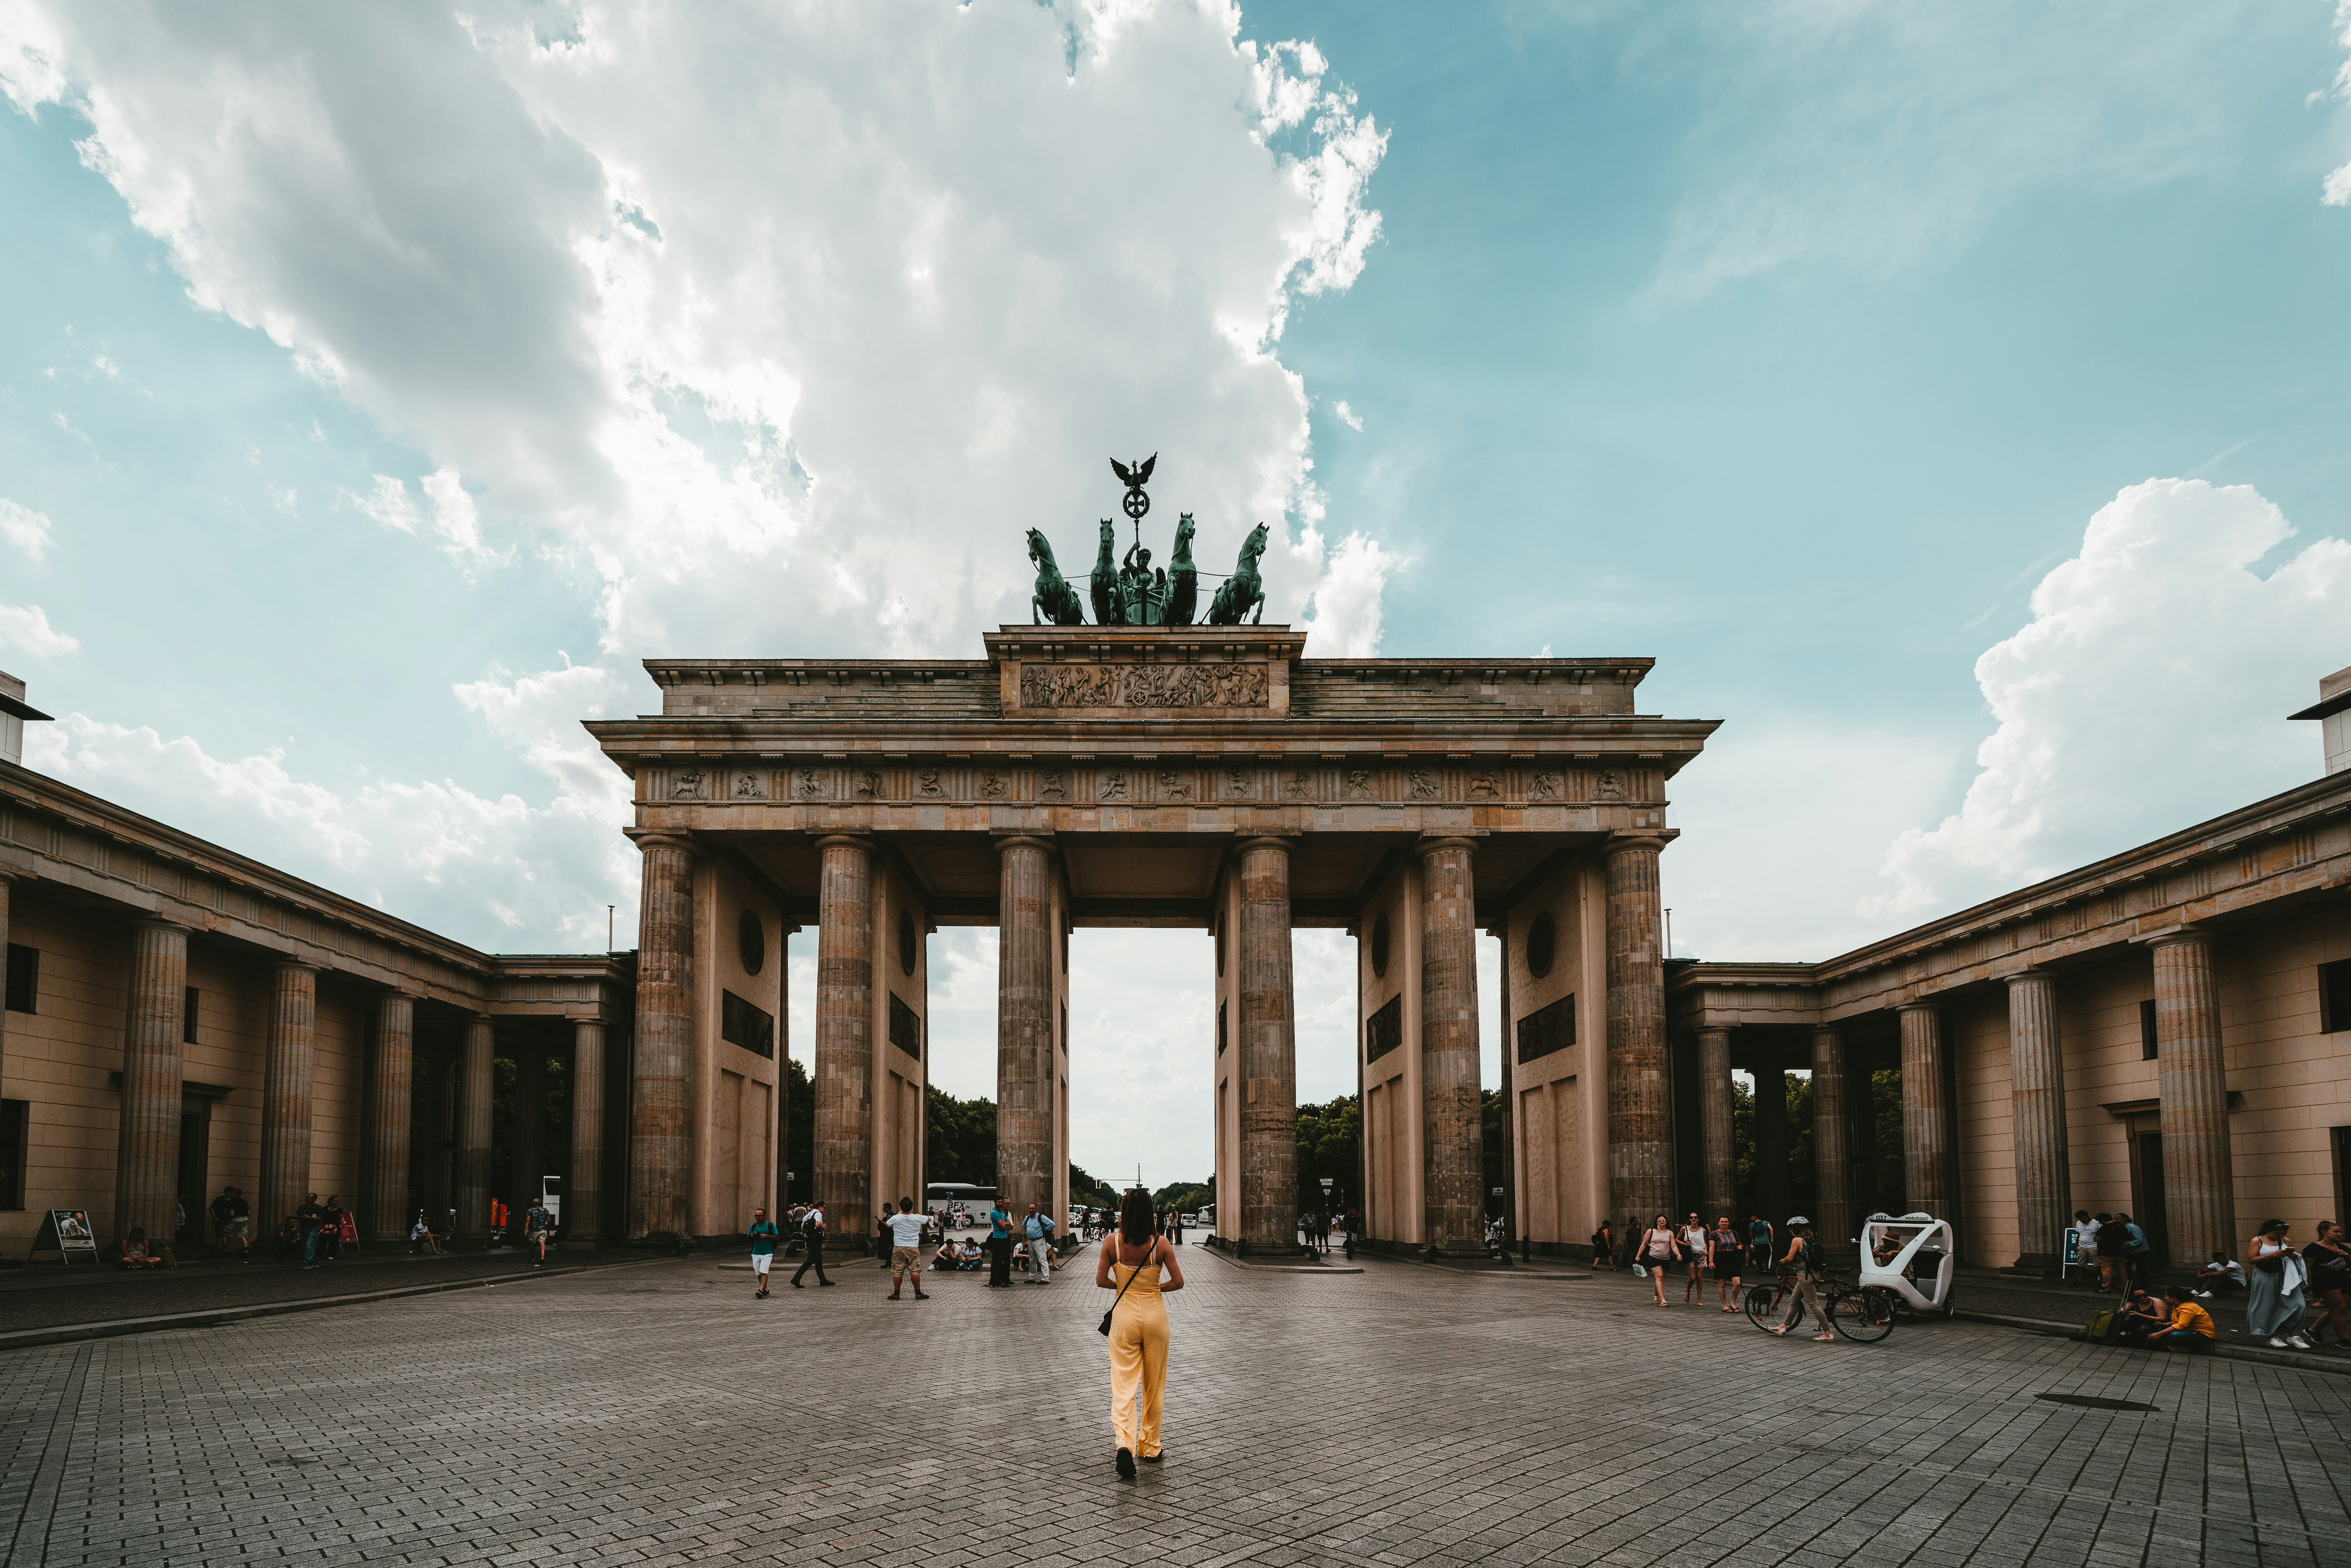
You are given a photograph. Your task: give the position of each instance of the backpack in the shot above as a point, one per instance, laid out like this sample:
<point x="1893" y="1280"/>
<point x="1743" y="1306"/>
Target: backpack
<point x="812" y="1223"/>
<point x="2101" y="1327"/>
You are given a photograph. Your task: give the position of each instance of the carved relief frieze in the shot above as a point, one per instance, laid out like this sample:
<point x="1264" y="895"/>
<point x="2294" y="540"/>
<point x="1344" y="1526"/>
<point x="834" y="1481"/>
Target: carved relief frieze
<point x="991" y="785"/>
<point x="811" y="783"/>
<point x="1171" y="785"/>
<point x="689" y="783"/>
<point x="1144" y="685"/>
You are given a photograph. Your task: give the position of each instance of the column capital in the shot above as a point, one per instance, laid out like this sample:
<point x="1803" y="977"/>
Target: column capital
<point x="846" y="840"/>
<point x="1930" y="1009"/>
<point x="294" y="967"/>
<point x="1828" y="1029"/>
<point x="158" y="923"/>
<point x="662" y="840"/>
<point x="2179" y="935"/>
<point x="1006" y="840"/>
<point x="1430" y="843"/>
<point x="1282" y="841"/>
<point x="1623" y="844"/>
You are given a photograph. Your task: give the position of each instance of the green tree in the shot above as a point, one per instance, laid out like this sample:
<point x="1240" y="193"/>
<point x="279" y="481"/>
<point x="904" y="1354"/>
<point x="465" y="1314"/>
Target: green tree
<point x="1091" y="1192"/>
<point x="1186" y="1195"/>
<point x="799" y="1132"/>
<point x="960" y="1145"/>
<point x="1330" y="1137"/>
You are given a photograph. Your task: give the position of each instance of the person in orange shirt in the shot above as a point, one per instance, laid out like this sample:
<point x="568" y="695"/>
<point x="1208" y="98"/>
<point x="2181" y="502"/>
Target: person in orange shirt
<point x="2191" y="1326"/>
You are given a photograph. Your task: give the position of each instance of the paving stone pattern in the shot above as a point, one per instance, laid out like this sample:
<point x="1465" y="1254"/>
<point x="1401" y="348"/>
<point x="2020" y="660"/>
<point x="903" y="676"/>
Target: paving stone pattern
<point x="1405" y="1414"/>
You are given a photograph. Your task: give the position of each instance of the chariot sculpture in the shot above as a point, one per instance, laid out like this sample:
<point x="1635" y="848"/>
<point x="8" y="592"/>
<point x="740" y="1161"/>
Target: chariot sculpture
<point x="1128" y="590"/>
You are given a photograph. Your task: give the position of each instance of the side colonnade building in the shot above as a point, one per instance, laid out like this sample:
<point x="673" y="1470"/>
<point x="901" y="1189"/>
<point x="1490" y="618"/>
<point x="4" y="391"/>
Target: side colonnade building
<point x="180" y="1019"/>
<point x="2166" y="1034"/>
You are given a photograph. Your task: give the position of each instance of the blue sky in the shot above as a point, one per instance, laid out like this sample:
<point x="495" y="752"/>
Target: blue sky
<point x="1949" y="399"/>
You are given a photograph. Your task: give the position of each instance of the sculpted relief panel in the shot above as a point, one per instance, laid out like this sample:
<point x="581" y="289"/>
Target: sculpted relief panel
<point x="1143" y="685"/>
<point x="1154" y="783"/>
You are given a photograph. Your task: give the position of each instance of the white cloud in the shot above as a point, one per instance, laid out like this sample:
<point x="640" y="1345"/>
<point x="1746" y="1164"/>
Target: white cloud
<point x="1347" y="417"/>
<point x="2149" y="692"/>
<point x="773" y="332"/>
<point x="24" y="529"/>
<point x="25" y="627"/>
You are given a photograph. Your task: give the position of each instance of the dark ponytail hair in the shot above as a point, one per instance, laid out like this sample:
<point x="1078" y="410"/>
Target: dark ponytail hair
<point x="1138" y="1221"/>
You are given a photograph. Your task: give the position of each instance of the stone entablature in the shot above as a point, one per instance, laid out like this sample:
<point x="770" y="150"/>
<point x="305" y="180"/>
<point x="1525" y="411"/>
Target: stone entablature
<point x="66" y="839"/>
<point x="2288" y="847"/>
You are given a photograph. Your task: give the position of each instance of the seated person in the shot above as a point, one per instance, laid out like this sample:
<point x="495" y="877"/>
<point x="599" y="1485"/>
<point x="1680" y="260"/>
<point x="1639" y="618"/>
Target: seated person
<point x="289" y="1238"/>
<point x="950" y="1255"/>
<point x="135" y="1252"/>
<point x="2191" y="1328"/>
<point x="2142" y="1318"/>
<point x="2223" y="1274"/>
<point x="421" y="1233"/>
<point x="974" y="1256"/>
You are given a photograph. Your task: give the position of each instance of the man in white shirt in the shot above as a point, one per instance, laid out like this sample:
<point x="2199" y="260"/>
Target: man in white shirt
<point x="906" y="1249"/>
<point x="1039" y="1228"/>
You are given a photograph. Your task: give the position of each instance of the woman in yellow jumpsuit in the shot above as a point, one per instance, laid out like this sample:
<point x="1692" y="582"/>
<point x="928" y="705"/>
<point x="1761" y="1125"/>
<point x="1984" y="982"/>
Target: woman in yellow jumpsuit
<point x="1140" y="1264"/>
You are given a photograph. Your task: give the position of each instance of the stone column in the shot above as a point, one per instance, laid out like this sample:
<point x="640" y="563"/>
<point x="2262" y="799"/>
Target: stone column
<point x="1024" y="1023"/>
<point x="1771" y="1146"/>
<point x="285" y="1095"/>
<point x="1926" y="1116"/>
<point x="1714" y="1126"/>
<point x="4" y="883"/>
<point x="1832" y="1214"/>
<point x="2036" y="1077"/>
<point x="473" y="1130"/>
<point x="845" y="1039"/>
<point x="584" y="1196"/>
<point x="660" y="1136"/>
<point x="2199" y="1193"/>
<point x="147" y="1154"/>
<point x="389" y="1118"/>
<point x="527" y="1161"/>
<point x="1640" y="1100"/>
<point x="1452" y="1117"/>
<point x="1265" y="1066"/>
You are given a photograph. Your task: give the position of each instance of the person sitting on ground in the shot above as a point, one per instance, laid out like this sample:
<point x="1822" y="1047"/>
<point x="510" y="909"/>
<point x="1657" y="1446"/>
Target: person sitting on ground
<point x="136" y="1253"/>
<point x="2191" y="1327"/>
<point x="2223" y="1274"/>
<point x="2142" y="1318"/>
<point x="422" y="1232"/>
<point x="290" y="1239"/>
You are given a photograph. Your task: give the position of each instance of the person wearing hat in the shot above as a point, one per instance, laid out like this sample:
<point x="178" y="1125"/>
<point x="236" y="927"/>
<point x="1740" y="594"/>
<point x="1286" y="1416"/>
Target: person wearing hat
<point x="1803" y="1263"/>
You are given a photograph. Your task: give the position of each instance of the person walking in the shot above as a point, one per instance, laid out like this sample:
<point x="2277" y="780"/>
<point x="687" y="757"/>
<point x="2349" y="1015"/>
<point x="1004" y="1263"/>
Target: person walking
<point x="1603" y="1247"/>
<point x="311" y="1218"/>
<point x="236" y="1229"/>
<point x="1000" y="1246"/>
<point x="2329" y="1262"/>
<point x="1760" y="1250"/>
<point x="1693" y="1239"/>
<point x="1725" y="1255"/>
<point x="2139" y="1253"/>
<point x="907" y="1250"/>
<point x="2109" y="1240"/>
<point x="2275" y="1305"/>
<point x="538" y="1227"/>
<point x="1659" y="1251"/>
<point x="2086" y="1242"/>
<point x="763" y="1234"/>
<point x="812" y="1232"/>
<point x="1803" y="1262"/>
<point x="1039" y="1229"/>
<point x="1138" y="1327"/>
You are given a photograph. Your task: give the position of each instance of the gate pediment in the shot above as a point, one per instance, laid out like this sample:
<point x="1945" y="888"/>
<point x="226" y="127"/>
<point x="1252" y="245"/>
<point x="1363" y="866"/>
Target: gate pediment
<point x="1203" y="671"/>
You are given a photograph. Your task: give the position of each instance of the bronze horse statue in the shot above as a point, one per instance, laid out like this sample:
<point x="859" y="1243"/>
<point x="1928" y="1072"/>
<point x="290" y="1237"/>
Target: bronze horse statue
<point x="1105" y="578"/>
<point x="1054" y="598"/>
<point x="1245" y="588"/>
<point x="1183" y="576"/>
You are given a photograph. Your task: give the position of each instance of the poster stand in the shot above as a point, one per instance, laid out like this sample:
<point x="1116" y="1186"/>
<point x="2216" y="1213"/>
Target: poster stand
<point x="65" y="1232"/>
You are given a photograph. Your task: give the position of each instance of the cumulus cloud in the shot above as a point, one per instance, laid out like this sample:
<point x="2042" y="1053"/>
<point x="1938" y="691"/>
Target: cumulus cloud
<point x="2149" y="692"/>
<point x="24" y="528"/>
<point x="27" y="628"/>
<point x="771" y="331"/>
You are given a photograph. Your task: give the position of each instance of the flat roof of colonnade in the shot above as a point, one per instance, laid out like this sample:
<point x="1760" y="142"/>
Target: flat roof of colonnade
<point x="1146" y="753"/>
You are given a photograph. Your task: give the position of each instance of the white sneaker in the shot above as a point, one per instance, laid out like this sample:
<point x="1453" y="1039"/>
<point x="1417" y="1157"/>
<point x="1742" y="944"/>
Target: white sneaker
<point x="2297" y="1342"/>
<point x="2201" y="1295"/>
<point x="2276" y="1343"/>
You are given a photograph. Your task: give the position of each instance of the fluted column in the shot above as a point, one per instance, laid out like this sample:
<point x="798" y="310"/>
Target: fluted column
<point x="1640" y="1104"/>
<point x="661" y="1135"/>
<point x="1024" y="1023"/>
<point x="1771" y="1194"/>
<point x="1714" y="1124"/>
<point x="285" y="1094"/>
<point x="1266" y="1059"/>
<point x="584" y="1196"/>
<point x="1832" y="1214"/>
<point x="2200" y="1192"/>
<point x="147" y="1154"/>
<point x="473" y="1129"/>
<point x="844" y="1038"/>
<point x="1925" y="1115"/>
<point x="389" y="1086"/>
<point x="2037" y="1078"/>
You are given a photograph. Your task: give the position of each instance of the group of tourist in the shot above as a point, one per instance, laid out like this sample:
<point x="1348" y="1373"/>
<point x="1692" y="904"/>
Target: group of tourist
<point x="2118" y="1246"/>
<point x="1032" y="1241"/>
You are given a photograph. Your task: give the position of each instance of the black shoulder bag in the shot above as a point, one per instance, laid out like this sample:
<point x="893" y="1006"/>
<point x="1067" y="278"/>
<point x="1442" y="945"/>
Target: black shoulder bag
<point x="1132" y="1273"/>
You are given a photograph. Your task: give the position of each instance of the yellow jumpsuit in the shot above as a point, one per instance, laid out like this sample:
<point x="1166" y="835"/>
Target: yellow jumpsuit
<point x="1138" y="1359"/>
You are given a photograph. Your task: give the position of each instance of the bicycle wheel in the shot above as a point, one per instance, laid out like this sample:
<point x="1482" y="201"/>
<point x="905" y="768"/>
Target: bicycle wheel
<point x="1864" y="1316"/>
<point x="1764" y="1302"/>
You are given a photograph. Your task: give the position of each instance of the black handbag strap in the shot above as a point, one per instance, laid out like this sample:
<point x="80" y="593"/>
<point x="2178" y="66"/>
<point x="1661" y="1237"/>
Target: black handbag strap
<point x="1132" y="1270"/>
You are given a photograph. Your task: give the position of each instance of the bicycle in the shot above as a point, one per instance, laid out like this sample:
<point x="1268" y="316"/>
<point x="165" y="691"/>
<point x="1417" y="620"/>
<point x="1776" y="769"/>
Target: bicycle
<point x="1861" y="1313"/>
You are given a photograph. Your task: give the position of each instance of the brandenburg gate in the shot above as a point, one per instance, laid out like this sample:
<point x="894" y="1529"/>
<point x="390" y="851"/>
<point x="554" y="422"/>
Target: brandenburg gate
<point x="1149" y="772"/>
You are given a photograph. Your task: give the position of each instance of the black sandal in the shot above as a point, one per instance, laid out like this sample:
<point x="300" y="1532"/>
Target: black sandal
<point x="1125" y="1464"/>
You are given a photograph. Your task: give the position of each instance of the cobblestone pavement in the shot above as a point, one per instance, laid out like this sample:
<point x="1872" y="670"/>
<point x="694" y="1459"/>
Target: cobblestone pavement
<point x="48" y="1296"/>
<point x="1405" y="1414"/>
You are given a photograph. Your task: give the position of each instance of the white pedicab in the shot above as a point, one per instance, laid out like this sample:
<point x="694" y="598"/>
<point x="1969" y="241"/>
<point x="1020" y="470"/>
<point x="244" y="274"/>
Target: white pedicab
<point x="1912" y="1256"/>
